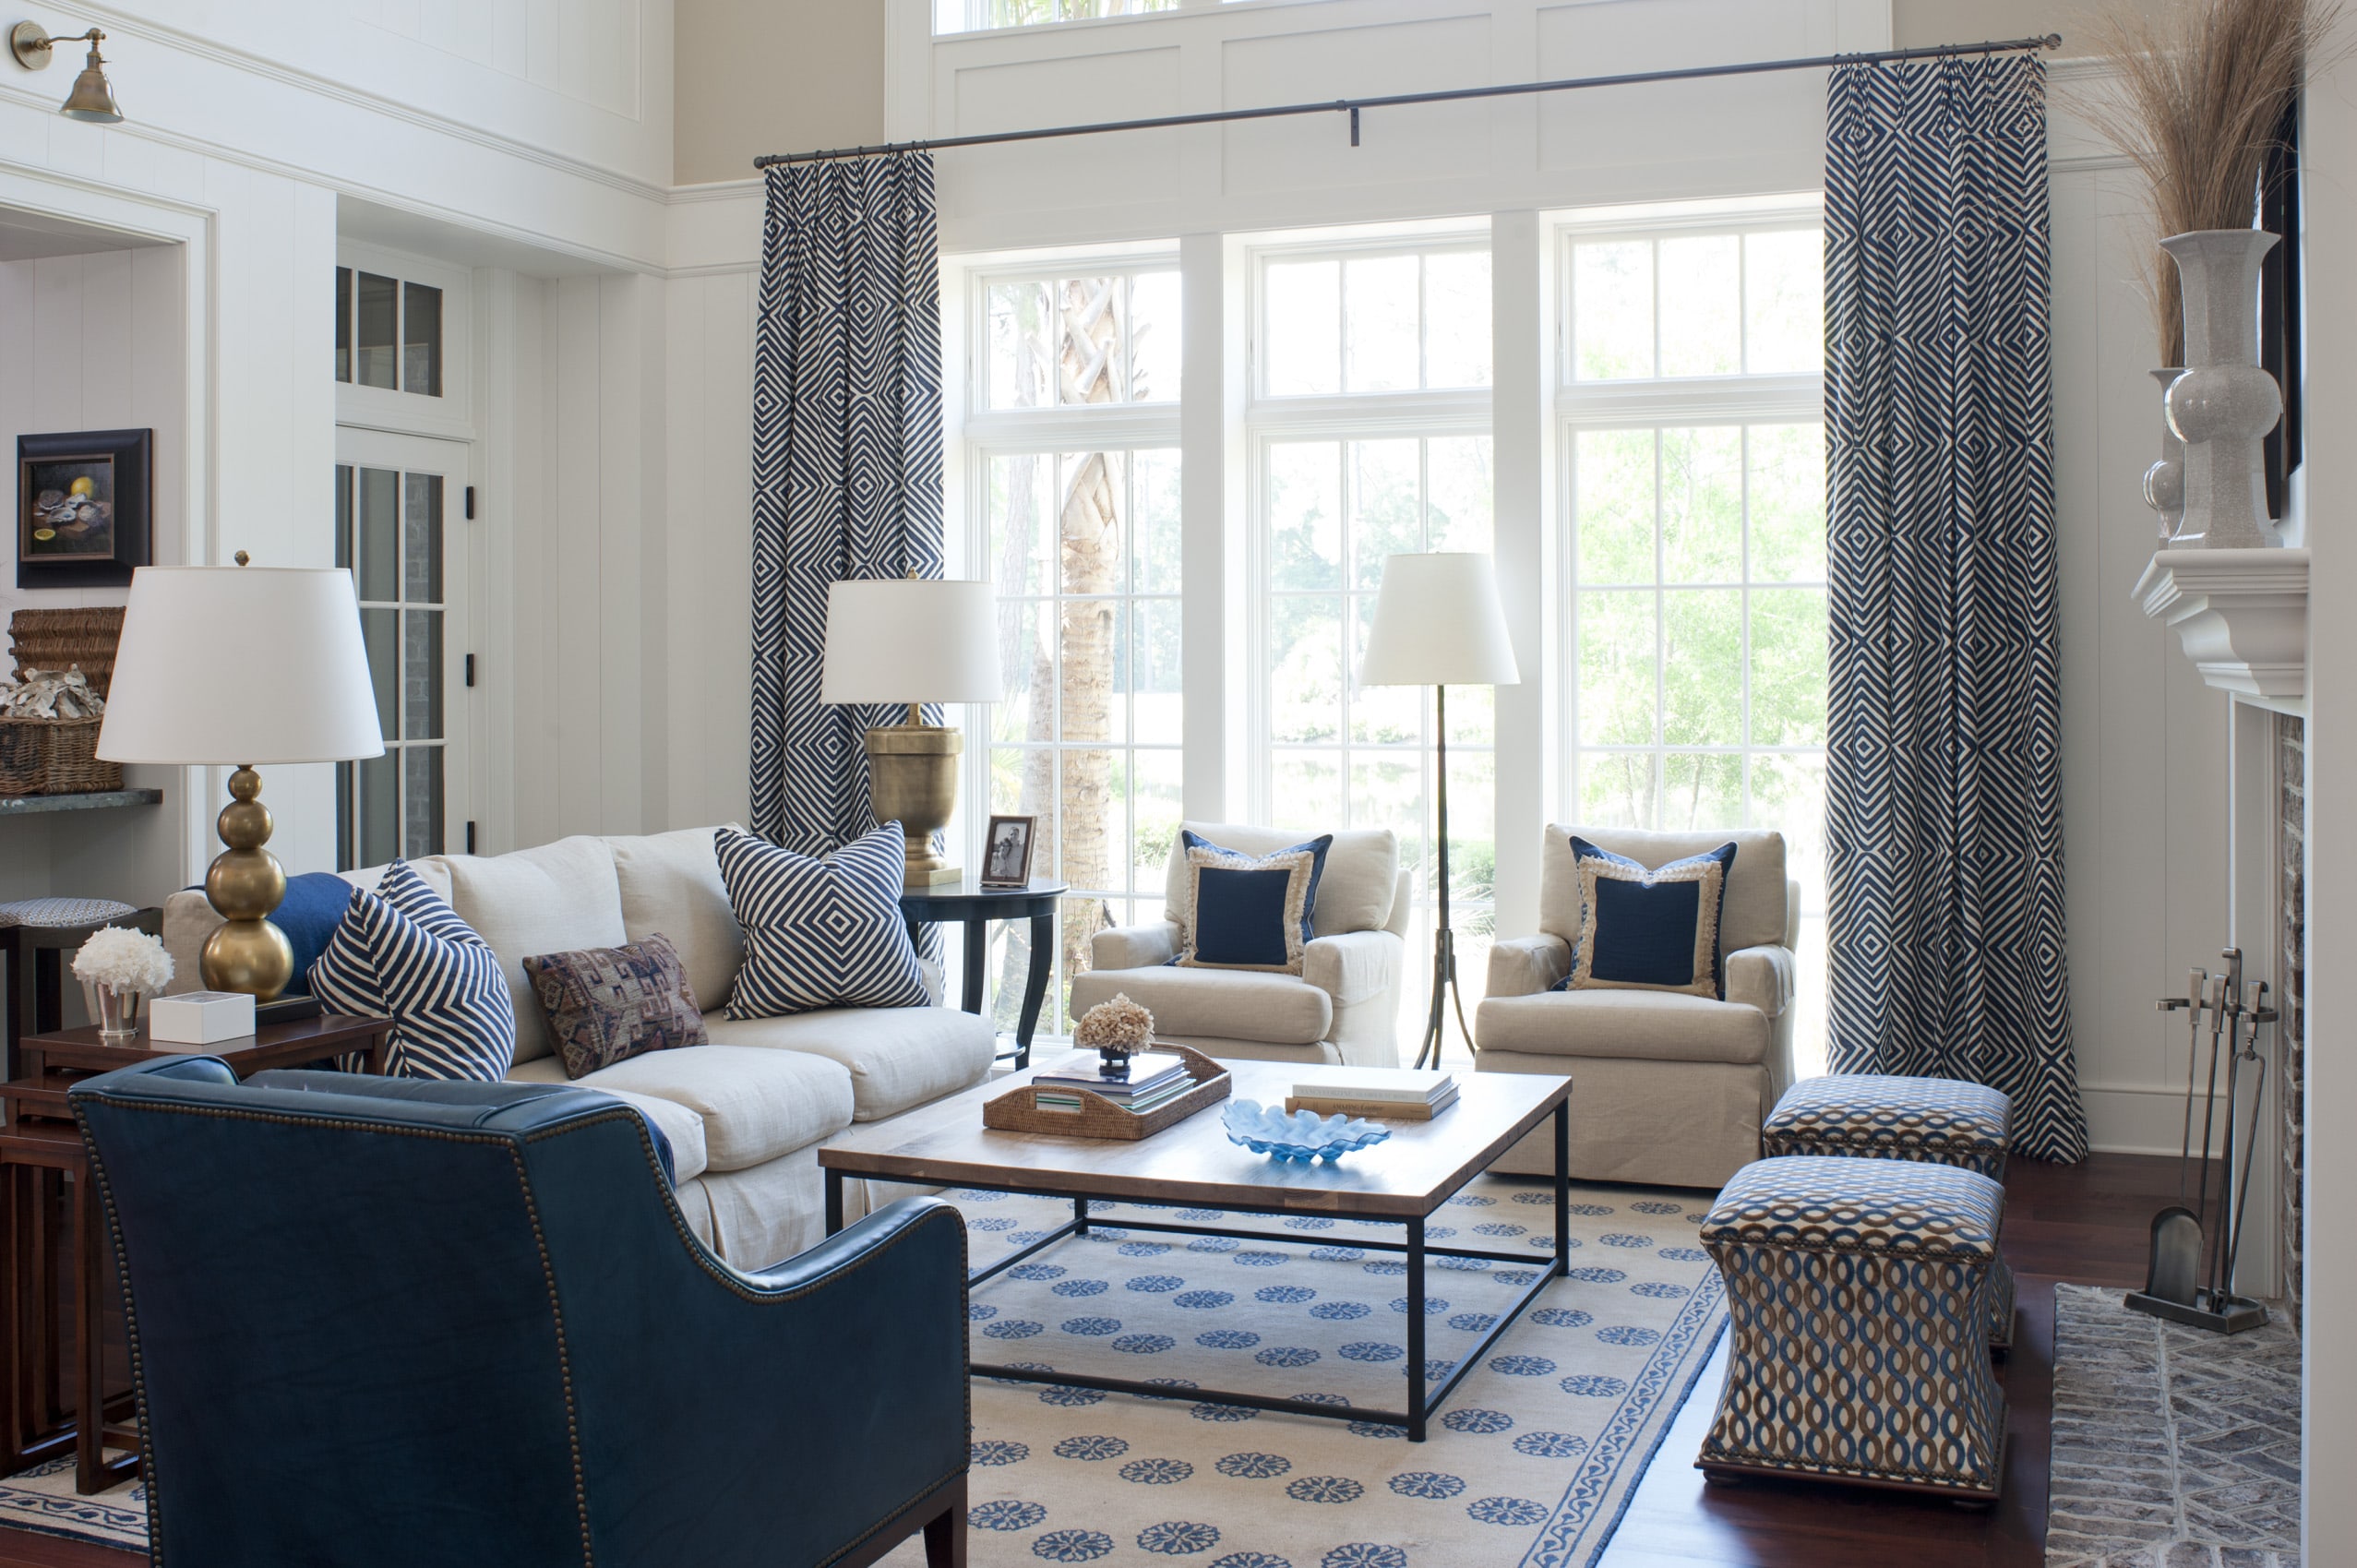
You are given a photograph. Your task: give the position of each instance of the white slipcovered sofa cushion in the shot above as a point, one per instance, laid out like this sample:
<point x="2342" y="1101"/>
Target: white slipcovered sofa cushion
<point x="754" y="1105"/>
<point x="560" y="897"/>
<point x="897" y="1057"/>
<point x="683" y="1128"/>
<point x="670" y="883"/>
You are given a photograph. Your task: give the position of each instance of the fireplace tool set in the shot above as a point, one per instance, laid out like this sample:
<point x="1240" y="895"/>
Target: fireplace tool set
<point x="2207" y="1237"/>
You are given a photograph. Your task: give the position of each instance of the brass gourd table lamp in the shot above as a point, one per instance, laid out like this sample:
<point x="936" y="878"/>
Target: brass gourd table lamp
<point x="913" y="640"/>
<point x="296" y="690"/>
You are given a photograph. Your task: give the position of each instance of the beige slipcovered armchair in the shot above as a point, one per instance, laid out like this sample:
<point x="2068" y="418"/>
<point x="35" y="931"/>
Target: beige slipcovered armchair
<point x="1667" y="1089"/>
<point x="1344" y="1007"/>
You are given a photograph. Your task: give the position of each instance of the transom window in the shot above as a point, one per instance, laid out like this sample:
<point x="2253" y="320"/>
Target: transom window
<point x="388" y="332"/>
<point x="1345" y="325"/>
<point x="978" y="16"/>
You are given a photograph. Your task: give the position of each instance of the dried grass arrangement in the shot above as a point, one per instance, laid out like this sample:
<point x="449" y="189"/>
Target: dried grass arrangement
<point x="2200" y="93"/>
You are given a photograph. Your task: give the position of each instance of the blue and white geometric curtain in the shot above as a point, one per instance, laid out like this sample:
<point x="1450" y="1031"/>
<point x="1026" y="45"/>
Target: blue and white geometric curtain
<point x="847" y="461"/>
<point x="1945" y="800"/>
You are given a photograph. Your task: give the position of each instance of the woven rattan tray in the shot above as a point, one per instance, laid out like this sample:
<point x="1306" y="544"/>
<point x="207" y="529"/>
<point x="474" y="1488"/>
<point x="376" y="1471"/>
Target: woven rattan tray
<point x="1018" y="1109"/>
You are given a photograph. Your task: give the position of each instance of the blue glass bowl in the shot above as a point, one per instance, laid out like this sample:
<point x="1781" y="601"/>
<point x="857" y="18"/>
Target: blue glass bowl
<point x="1303" y="1136"/>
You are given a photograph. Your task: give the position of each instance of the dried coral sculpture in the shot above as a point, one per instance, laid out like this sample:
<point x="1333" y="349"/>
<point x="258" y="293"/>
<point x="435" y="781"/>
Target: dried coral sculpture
<point x="1116" y="1031"/>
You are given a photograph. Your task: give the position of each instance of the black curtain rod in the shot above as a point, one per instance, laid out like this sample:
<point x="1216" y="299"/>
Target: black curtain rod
<point x="1352" y="106"/>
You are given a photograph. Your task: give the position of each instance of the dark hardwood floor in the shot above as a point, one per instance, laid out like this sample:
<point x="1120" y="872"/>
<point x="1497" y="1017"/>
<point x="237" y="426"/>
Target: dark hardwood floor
<point x="2084" y="1224"/>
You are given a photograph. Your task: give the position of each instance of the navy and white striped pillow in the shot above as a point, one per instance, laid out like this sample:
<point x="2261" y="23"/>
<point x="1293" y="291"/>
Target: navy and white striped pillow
<point x="819" y="933"/>
<point x="402" y="953"/>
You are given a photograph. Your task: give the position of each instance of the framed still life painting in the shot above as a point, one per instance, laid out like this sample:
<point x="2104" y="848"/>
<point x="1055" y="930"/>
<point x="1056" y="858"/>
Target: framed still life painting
<point x="82" y="508"/>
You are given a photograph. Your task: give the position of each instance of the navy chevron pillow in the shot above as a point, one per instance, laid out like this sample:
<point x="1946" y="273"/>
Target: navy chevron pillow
<point x="819" y="933"/>
<point x="402" y="953"/>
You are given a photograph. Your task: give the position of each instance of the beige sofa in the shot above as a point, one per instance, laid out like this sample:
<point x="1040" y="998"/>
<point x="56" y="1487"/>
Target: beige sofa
<point x="744" y="1114"/>
<point x="1344" y="1007"/>
<point x="1667" y="1089"/>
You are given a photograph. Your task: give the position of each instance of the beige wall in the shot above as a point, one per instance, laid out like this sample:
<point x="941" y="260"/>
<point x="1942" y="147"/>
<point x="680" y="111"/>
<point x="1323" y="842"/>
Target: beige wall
<point x="773" y="75"/>
<point x="1915" y="23"/>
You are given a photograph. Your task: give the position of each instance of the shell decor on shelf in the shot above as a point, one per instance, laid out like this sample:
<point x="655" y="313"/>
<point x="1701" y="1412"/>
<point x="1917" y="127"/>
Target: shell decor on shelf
<point x="1302" y="1137"/>
<point x="1116" y="1031"/>
<point x="50" y="694"/>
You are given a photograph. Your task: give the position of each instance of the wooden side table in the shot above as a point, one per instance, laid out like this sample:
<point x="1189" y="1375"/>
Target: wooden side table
<point x="974" y="906"/>
<point x="35" y="959"/>
<point x="46" y="1198"/>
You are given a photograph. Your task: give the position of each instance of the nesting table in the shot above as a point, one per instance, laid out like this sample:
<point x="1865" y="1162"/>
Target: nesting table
<point x="40" y="1147"/>
<point x="1192" y="1165"/>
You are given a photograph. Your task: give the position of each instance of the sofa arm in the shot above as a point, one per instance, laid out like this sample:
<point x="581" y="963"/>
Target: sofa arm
<point x="1763" y="977"/>
<point x="1135" y="947"/>
<point x="188" y="919"/>
<point x="1524" y="966"/>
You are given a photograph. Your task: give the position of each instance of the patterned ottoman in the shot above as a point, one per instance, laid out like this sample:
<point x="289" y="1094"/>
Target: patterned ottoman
<point x="1878" y="1117"/>
<point x="1856" y="1292"/>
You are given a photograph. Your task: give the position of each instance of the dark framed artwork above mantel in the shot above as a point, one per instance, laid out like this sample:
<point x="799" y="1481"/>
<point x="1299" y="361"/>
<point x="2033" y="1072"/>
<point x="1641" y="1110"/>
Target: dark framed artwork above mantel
<point x="84" y="499"/>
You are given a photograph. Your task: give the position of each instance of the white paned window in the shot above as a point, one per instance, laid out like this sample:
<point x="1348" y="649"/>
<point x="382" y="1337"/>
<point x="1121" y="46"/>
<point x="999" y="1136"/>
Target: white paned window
<point x="1371" y="439"/>
<point x="1072" y="491"/>
<point x="1695" y="519"/>
<point x="980" y="16"/>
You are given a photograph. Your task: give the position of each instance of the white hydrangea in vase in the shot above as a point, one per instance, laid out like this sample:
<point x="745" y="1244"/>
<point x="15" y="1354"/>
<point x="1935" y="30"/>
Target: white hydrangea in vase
<point x="119" y="969"/>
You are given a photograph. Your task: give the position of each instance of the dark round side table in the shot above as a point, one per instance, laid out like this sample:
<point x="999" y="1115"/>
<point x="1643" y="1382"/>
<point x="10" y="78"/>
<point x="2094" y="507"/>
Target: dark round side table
<point x="974" y="906"/>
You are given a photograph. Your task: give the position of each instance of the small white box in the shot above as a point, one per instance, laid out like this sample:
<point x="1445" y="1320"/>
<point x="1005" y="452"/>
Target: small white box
<point x="200" y="1018"/>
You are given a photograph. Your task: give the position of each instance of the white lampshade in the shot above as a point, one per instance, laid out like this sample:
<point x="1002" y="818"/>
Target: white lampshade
<point x="241" y="665"/>
<point x="911" y="639"/>
<point x="1437" y="622"/>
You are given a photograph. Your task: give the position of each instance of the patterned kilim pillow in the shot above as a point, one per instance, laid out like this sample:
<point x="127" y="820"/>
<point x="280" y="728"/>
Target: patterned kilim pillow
<point x="1250" y="912"/>
<point x="402" y="953"/>
<point x="609" y="1004"/>
<point x="1649" y="930"/>
<point x="819" y="933"/>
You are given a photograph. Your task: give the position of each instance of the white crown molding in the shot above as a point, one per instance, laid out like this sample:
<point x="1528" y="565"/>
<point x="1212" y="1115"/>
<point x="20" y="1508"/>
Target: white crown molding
<point x="2241" y="616"/>
<point x="718" y="190"/>
<point x="360" y="98"/>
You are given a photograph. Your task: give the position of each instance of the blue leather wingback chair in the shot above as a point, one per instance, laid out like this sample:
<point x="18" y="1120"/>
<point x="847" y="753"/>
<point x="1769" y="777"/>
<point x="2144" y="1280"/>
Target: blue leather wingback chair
<point x="382" y="1324"/>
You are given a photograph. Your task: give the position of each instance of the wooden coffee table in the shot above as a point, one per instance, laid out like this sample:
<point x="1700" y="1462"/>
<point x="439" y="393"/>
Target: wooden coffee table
<point x="1194" y="1165"/>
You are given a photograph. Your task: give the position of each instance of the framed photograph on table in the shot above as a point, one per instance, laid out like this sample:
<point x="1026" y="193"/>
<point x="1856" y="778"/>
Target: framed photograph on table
<point x="1006" y="852"/>
<point x="82" y="508"/>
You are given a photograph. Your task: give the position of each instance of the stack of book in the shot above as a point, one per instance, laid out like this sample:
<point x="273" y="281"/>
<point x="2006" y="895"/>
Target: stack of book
<point x="1397" y="1095"/>
<point x="1154" y="1079"/>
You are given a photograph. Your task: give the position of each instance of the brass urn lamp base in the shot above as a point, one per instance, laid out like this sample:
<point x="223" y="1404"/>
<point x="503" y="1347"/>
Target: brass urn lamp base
<point x="912" y="779"/>
<point x="244" y="884"/>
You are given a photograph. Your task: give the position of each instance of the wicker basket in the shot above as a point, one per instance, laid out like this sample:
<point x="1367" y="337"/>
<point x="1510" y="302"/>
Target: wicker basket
<point x="64" y="640"/>
<point x="54" y="757"/>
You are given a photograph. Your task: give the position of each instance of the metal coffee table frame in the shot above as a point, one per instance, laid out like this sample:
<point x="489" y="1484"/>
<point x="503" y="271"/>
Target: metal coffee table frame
<point x="1422" y="1403"/>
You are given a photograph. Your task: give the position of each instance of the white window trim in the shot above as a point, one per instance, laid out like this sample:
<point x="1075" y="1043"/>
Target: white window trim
<point x="449" y="416"/>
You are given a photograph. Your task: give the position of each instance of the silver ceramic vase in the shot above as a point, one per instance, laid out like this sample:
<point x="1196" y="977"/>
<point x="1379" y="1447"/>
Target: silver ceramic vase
<point x="2224" y="405"/>
<point x="2164" y="482"/>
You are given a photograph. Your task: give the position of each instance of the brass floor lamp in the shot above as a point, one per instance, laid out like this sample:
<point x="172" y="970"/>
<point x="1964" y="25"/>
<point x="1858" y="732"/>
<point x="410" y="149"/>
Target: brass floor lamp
<point x="1437" y="622"/>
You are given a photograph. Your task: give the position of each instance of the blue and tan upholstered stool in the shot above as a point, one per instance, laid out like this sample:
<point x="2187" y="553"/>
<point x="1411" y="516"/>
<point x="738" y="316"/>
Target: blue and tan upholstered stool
<point x="1879" y="1117"/>
<point x="1857" y="1298"/>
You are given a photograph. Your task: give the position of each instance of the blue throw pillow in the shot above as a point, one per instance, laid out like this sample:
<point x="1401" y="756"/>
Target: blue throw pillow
<point x="1649" y="930"/>
<point x="314" y="907"/>
<point x="1250" y="912"/>
<point x="402" y="953"/>
<point x="821" y="933"/>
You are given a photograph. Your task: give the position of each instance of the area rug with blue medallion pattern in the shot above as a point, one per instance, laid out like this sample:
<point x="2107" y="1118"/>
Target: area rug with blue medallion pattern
<point x="1529" y="1465"/>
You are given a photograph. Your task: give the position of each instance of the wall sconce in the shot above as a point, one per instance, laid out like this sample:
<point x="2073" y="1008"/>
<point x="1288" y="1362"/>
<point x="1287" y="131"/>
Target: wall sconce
<point x="91" y="98"/>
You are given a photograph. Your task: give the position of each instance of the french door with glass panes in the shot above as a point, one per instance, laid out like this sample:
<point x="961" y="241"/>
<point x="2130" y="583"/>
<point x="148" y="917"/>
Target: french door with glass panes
<point x="400" y="504"/>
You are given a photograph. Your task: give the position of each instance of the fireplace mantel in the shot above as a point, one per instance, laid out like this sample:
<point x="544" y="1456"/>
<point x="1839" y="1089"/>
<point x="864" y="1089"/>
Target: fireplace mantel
<point x="2241" y="616"/>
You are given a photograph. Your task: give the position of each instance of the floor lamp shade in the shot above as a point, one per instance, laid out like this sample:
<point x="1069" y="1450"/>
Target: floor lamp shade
<point x="239" y="665"/>
<point x="1438" y="622"/>
<point x="912" y="640"/>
